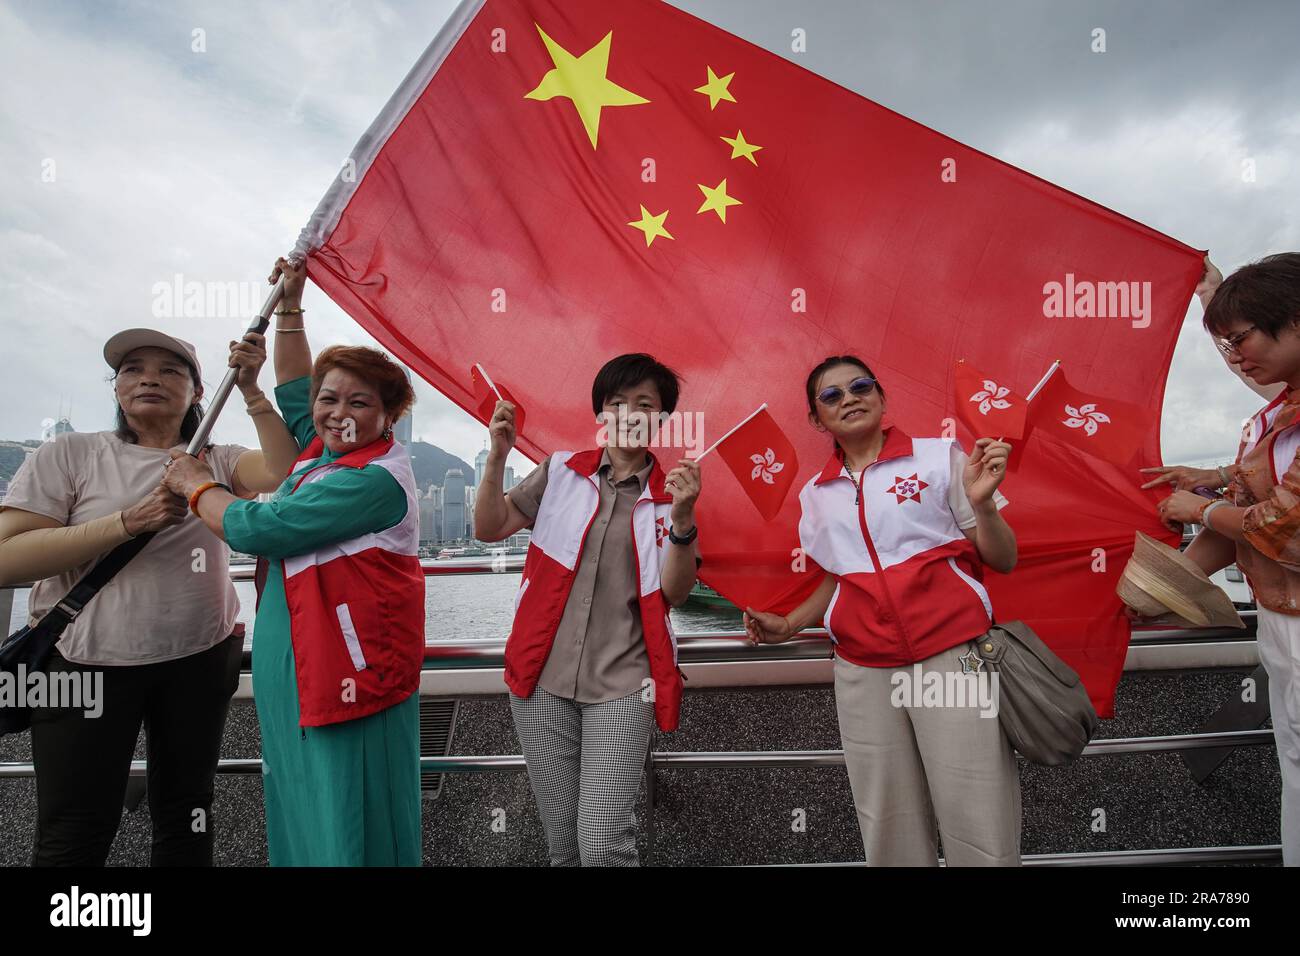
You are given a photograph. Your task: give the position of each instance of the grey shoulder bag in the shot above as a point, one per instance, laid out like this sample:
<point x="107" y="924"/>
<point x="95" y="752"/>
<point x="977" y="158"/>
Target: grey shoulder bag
<point x="1042" y="705"/>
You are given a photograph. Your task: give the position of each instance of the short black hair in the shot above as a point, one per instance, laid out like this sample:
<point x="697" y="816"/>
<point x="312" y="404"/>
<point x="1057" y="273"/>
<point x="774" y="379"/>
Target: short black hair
<point x="1265" y="293"/>
<point x="632" y="369"/>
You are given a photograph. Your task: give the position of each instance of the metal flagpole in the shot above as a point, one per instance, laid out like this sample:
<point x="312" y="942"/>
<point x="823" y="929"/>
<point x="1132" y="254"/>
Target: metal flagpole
<point x="732" y="431"/>
<point x="1041" y="382"/>
<point x="259" y="324"/>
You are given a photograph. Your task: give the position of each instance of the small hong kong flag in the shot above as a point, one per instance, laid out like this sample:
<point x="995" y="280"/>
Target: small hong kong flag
<point x="486" y="394"/>
<point x="761" y="458"/>
<point x="989" y="408"/>
<point x="1107" y="428"/>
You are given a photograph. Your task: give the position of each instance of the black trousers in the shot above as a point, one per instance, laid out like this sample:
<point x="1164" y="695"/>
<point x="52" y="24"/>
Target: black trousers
<point x="82" y="763"/>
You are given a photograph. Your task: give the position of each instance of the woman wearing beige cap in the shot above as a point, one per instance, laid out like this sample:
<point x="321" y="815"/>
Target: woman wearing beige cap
<point x="161" y="632"/>
<point x="1254" y="316"/>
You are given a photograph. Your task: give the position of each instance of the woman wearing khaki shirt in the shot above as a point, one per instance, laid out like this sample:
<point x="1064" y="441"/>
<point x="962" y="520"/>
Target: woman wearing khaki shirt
<point x="591" y="659"/>
<point x="160" y="633"/>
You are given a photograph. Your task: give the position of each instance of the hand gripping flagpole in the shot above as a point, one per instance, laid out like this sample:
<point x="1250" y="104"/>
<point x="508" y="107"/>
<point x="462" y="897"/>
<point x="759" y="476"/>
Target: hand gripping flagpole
<point x="259" y="325"/>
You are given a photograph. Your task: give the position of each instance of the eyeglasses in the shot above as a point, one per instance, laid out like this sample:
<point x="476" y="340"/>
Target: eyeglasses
<point x="859" y="387"/>
<point x="1229" y="345"/>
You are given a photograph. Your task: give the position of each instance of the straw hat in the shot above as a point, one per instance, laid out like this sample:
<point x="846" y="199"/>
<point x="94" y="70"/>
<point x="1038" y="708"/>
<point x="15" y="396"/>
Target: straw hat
<point x="1159" y="579"/>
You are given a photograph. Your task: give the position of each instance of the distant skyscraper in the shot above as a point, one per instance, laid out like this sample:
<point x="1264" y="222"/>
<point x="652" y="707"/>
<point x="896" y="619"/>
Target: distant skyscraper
<point x="470" y="495"/>
<point x="480" y="462"/>
<point x="510" y="478"/>
<point x="453" y="505"/>
<point x="402" y="430"/>
<point x="428" y="516"/>
<point x="434" y="497"/>
<point x="50" y="428"/>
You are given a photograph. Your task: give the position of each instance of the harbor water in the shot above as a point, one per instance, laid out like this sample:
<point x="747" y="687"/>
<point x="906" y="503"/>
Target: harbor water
<point x="463" y="606"/>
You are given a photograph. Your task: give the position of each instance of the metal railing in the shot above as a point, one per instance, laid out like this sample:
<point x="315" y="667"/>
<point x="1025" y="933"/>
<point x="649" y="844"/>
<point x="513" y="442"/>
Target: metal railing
<point x="738" y="759"/>
<point x="725" y="658"/>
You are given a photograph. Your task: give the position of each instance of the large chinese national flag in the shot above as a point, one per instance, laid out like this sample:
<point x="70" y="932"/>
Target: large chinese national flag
<point x="561" y="181"/>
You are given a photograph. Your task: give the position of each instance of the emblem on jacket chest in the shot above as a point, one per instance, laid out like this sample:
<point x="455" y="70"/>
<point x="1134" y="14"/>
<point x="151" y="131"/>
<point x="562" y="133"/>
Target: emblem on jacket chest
<point x="907" y="489"/>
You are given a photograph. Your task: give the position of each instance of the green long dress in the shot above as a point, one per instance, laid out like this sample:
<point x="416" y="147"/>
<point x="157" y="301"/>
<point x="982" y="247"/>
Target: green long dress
<point x="346" y="794"/>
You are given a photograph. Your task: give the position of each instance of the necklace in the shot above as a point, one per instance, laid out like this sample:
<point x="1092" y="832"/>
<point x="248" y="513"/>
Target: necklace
<point x="857" y="485"/>
<point x="857" y="500"/>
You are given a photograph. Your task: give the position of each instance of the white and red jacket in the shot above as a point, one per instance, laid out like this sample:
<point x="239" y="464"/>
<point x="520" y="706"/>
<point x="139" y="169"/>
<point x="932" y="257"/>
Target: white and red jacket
<point x="568" y="507"/>
<point x="356" y="607"/>
<point x="909" y="579"/>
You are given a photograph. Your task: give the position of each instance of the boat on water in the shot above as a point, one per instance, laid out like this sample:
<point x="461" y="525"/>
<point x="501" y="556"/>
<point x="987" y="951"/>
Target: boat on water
<point x="705" y="596"/>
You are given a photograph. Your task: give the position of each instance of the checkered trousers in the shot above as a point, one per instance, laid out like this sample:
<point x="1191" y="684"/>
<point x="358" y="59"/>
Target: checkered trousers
<point x="585" y="763"/>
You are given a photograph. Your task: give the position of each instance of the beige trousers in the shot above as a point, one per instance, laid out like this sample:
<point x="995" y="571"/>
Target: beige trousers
<point x="916" y="768"/>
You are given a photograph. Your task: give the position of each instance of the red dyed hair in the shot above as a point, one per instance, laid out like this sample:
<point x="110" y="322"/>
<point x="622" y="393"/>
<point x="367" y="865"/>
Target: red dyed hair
<point x="371" y="366"/>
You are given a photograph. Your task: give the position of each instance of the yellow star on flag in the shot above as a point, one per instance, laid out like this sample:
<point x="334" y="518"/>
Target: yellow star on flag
<point x="741" y="148"/>
<point x="717" y="199"/>
<point x="652" y="226"/>
<point x="582" y="79"/>
<point x="716" y="88"/>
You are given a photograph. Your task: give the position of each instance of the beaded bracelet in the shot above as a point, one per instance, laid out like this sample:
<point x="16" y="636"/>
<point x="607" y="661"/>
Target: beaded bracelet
<point x="1203" y="514"/>
<point x="198" y="493"/>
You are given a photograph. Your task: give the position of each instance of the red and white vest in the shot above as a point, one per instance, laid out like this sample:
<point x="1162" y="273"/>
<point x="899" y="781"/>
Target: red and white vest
<point x="568" y="507"/>
<point x="356" y="607"/>
<point x="909" y="579"/>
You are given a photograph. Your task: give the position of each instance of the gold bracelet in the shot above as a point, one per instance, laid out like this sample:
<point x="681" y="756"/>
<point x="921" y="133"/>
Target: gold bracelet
<point x="290" y="311"/>
<point x="298" y="329"/>
<point x="261" y="407"/>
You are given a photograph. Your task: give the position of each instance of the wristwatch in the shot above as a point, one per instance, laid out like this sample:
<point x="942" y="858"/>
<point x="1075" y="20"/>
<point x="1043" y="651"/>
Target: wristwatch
<point x="672" y="535"/>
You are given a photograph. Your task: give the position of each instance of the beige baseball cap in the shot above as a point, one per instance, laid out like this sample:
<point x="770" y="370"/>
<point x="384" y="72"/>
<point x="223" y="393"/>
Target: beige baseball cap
<point x="128" y="340"/>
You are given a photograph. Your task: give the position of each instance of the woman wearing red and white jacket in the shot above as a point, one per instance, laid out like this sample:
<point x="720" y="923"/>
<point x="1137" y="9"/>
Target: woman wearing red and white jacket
<point x="591" y="661"/>
<point x="903" y="528"/>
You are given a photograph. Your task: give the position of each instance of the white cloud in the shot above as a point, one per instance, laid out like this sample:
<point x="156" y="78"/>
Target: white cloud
<point x="1181" y="173"/>
<point x="208" y="163"/>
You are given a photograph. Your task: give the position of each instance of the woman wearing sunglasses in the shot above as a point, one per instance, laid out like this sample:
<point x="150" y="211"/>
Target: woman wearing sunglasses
<point x="903" y="528"/>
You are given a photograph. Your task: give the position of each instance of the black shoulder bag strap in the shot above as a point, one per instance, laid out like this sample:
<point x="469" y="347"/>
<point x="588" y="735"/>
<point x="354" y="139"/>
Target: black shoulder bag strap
<point x="32" y="645"/>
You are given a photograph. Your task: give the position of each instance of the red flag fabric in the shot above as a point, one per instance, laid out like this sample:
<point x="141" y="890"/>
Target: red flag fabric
<point x="1108" y="428"/>
<point x="558" y="182"/>
<point x="485" y="398"/>
<point x="987" y="407"/>
<point x="763" y="461"/>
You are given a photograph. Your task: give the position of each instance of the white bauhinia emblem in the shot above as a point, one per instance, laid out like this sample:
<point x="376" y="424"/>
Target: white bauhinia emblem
<point x="1086" y="417"/>
<point x="765" y="466"/>
<point x="992" y="395"/>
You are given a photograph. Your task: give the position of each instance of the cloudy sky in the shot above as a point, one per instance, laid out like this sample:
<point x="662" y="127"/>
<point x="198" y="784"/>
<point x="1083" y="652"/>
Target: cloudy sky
<point x="131" y="157"/>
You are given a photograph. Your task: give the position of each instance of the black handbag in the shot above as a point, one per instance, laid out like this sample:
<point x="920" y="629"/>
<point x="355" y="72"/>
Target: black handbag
<point x="31" y="646"/>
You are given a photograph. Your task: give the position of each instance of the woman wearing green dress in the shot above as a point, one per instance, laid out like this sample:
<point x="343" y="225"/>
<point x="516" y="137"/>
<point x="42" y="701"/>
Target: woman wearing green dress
<point x="339" y="636"/>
